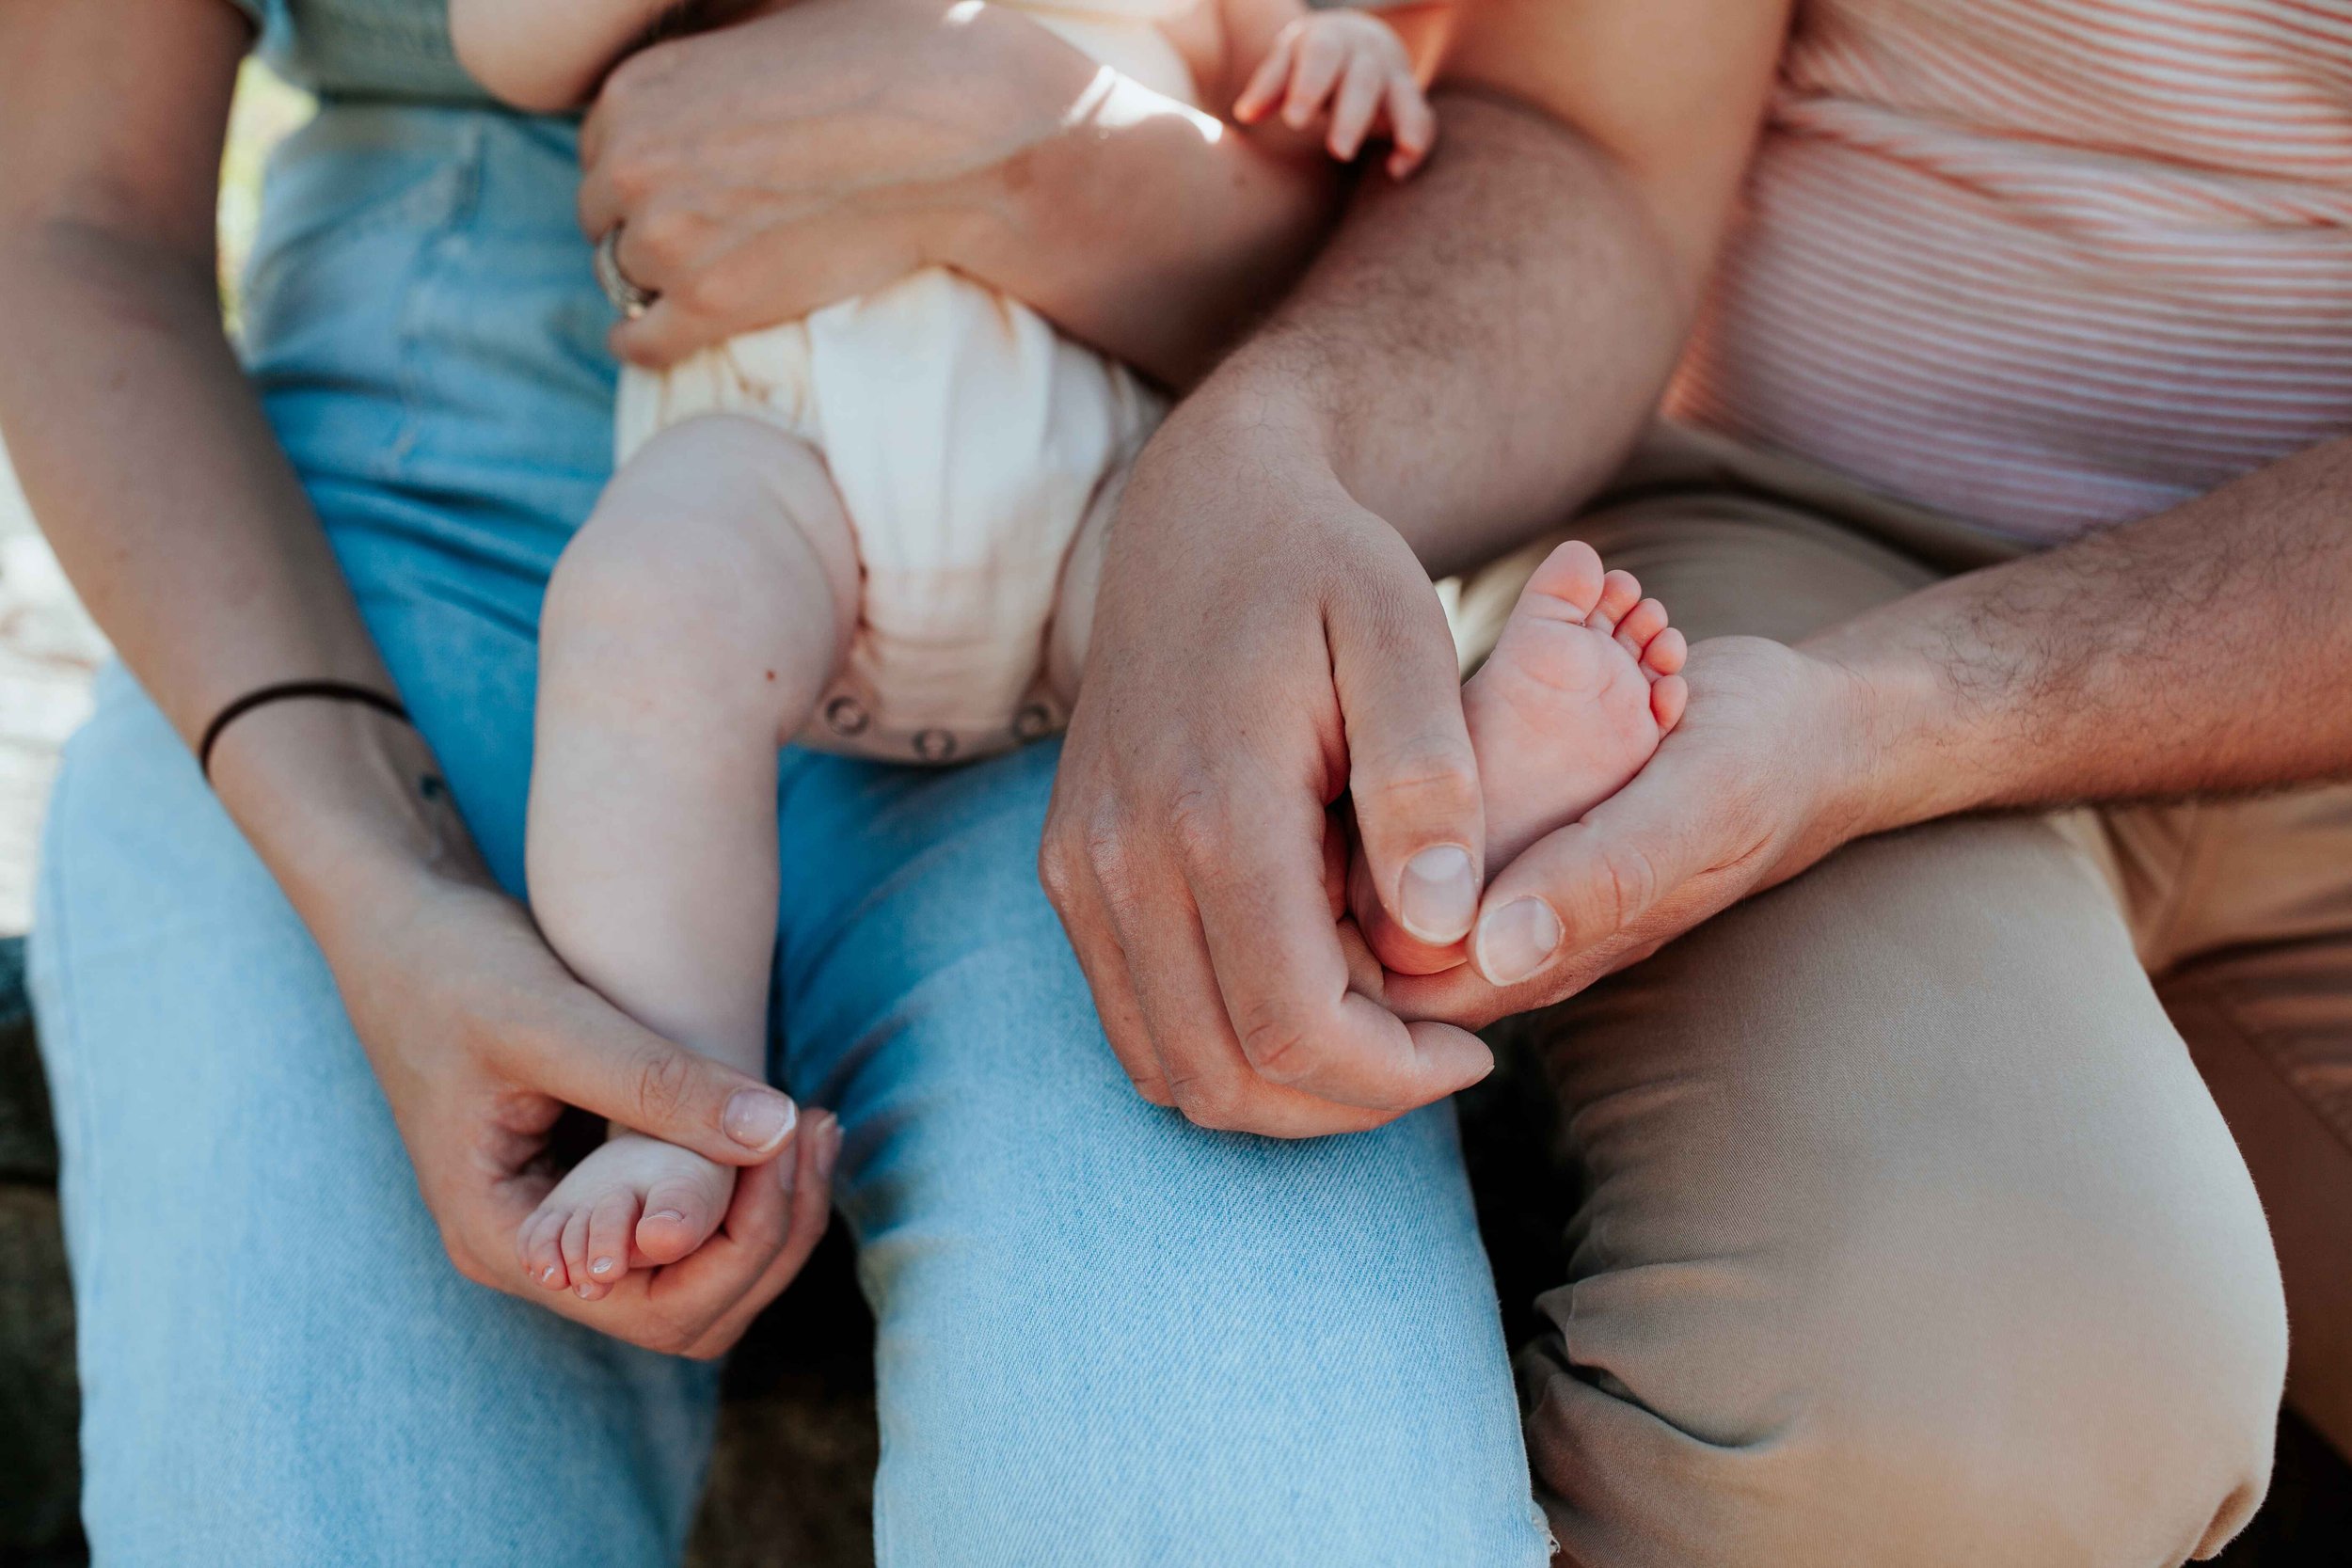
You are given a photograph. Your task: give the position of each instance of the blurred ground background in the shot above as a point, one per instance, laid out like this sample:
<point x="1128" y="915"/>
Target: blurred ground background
<point x="790" y="1482"/>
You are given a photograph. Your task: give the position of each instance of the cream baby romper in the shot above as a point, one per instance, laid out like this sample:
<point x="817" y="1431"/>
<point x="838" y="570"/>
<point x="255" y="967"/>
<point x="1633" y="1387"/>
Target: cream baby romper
<point x="967" y="438"/>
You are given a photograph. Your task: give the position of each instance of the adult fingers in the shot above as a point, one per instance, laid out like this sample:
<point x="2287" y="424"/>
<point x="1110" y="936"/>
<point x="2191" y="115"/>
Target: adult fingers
<point x="482" y="1227"/>
<point x="807" y="1205"/>
<point x="635" y="93"/>
<point x="593" y="1056"/>
<point x="1257" y="871"/>
<point x="674" y="1309"/>
<point x="664" y="333"/>
<point x="1077" y="897"/>
<point x="1209" y="1076"/>
<point x="1412" y="778"/>
<point x="711" y="282"/>
<point x="1596" y="884"/>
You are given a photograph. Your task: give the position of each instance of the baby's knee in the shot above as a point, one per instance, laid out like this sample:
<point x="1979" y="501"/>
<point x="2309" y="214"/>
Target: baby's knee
<point x="642" y="603"/>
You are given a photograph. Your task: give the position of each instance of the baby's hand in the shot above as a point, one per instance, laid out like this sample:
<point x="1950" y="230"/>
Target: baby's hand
<point x="1353" y="68"/>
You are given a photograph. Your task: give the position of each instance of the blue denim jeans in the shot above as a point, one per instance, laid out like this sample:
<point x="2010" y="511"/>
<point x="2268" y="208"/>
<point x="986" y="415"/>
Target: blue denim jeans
<point x="1105" y="1337"/>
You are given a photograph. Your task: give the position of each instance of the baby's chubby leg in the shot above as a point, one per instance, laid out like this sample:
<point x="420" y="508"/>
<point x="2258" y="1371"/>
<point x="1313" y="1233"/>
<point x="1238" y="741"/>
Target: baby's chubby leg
<point x="688" y="628"/>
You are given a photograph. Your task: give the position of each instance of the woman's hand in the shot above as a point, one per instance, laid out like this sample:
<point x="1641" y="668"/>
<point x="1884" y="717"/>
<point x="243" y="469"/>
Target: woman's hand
<point x="832" y="147"/>
<point x="481" y="1038"/>
<point x="1769" y="771"/>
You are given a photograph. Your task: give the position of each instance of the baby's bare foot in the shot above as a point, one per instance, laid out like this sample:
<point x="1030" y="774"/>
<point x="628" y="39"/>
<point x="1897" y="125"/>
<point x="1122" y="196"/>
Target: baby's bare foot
<point x="636" y="1202"/>
<point x="1581" y="689"/>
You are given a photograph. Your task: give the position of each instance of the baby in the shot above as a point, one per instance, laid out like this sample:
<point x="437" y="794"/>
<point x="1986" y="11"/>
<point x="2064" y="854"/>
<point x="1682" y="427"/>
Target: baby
<point x="877" y="531"/>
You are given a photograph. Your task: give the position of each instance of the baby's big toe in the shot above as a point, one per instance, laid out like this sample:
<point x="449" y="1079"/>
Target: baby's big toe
<point x="680" y="1214"/>
<point x="1567" y="585"/>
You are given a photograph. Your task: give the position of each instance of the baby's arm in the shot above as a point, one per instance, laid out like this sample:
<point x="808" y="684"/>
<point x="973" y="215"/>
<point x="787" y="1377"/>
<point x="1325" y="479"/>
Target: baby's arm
<point x="548" y="56"/>
<point x="1347" y="67"/>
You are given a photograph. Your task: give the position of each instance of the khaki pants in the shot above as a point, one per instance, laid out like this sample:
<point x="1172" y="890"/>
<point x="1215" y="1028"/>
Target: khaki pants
<point x="1914" y="1230"/>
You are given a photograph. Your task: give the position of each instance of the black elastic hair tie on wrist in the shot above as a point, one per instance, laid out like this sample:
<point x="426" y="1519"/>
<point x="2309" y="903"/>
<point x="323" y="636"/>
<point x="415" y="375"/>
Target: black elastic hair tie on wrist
<point x="333" y="691"/>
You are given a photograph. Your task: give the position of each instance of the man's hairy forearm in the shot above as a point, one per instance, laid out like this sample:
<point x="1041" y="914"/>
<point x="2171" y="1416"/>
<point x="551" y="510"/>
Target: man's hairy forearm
<point x="1478" y="346"/>
<point x="2208" y="649"/>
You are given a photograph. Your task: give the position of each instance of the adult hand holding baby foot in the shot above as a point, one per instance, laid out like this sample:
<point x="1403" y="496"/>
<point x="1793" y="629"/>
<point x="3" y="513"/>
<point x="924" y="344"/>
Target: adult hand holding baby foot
<point x="1760" y="778"/>
<point x="1258" y="650"/>
<point x="481" y="1038"/>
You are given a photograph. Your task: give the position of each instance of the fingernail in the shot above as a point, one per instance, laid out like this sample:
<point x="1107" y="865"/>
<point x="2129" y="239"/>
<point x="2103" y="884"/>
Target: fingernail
<point x="759" y="1120"/>
<point x="602" y="1266"/>
<point x="669" y="1214"/>
<point x="546" y="1276"/>
<point x="1517" y="939"/>
<point x="828" y="1147"/>
<point x="585" y="1292"/>
<point x="1438" y="898"/>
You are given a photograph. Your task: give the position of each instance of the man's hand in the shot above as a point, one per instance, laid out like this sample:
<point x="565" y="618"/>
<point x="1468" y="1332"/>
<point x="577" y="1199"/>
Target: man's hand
<point x="1760" y="779"/>
<point x="1471" y="354"/>
<point x="481" y="1038"/>
<point x="1261" y="645"/>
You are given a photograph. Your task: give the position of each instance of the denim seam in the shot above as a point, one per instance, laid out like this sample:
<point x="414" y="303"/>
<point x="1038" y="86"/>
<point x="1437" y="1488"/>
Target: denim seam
<point x="425" y="284"/>
<point x="267" y="274"/>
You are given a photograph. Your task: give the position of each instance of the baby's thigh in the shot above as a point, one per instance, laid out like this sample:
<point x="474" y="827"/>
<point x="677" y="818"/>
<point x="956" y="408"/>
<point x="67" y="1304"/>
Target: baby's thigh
<point x="1072" y="632"/>
<point x="279" y="1363"/>
<point x="1106" y="1334"/>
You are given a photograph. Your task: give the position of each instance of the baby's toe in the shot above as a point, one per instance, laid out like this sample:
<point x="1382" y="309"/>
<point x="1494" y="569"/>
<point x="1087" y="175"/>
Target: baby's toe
<point x="540" y="1244"/>
<point x="612" y="1222"/>
<point x="1643" y="622"/>
<point x="575" y="1244"/>
<point x="680" y="1214"/>
<point x="1667" y="699"/>
<point x="1665" y="653"/>
<point x="1620" y="592"/>
<point x="1569" y="579"/>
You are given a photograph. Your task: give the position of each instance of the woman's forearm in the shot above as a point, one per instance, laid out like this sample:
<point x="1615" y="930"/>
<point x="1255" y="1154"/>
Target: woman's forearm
<point x="2208" y="649"/>
<point x="145" y="454"/>
<point x="157" y="481"/>
<point x="183" y="528"/>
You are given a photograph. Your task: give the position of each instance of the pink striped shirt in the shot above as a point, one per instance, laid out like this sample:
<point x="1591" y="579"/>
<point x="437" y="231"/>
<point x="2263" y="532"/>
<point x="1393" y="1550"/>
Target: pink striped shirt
<point x="2044" y="263"/>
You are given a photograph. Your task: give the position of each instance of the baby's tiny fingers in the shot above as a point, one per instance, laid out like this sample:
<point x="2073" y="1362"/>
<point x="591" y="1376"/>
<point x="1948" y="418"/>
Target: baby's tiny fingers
<point x="1266" y="82"/>
<point x="1358" y="101"/>
<point x="1321" y="57"/>
<point x="1412" y="124"/>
